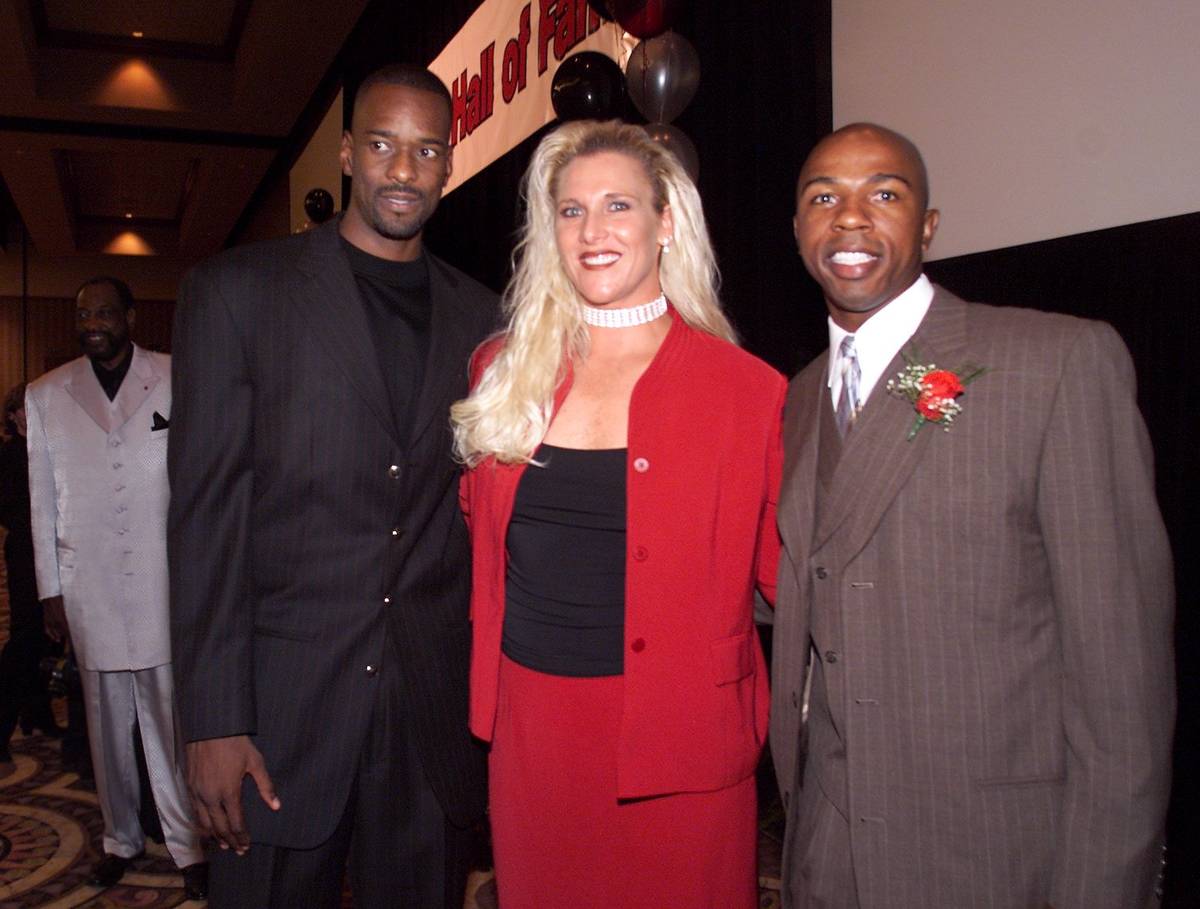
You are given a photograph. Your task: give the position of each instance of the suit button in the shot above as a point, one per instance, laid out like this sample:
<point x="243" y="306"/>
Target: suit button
<point x="638" y="645"/>
<point x="394" y="471"/>
<point x="116" y="465"/>
<point x="822" y="573"/>
<point x="641" y="553"/>
<point x="387" y="601"/>
<point x="372" y="669"/>
<point x="831" y="656"/>
<point x="396" y="532"/>
<point x="795" y="699"/>
<point x="641" y="465"/>
<point x="113" y="443"/>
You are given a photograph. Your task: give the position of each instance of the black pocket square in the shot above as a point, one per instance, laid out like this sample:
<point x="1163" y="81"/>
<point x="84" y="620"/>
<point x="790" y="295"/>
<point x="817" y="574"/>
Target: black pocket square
<point x="159" y="422"/>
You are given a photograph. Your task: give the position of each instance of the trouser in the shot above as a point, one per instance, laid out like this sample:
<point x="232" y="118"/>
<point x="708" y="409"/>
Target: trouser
<point x="402" y="851"/>
<point x="116" y="702"/>
<point x="23" y="691"/>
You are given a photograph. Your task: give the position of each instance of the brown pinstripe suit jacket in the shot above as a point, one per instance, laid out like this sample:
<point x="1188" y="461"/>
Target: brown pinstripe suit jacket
<point x="990" y="616"/>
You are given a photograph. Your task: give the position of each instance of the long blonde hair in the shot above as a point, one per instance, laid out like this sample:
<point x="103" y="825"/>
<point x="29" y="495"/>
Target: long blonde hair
<point x="508" y="412"/>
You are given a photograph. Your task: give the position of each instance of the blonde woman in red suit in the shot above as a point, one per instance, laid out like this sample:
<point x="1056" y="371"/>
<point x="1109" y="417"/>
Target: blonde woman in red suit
<point x="624" y="460"/>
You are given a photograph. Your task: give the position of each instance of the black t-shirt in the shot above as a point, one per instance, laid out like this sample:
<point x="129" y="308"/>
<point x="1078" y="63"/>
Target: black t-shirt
<point x="564" y="608"/>
<point x="396" y="298"/>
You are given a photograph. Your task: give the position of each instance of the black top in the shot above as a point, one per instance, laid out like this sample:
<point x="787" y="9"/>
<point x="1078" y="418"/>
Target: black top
<point x="565" y="592"/>
<point x="398" y="304"/>
<point x="111" y="379"/>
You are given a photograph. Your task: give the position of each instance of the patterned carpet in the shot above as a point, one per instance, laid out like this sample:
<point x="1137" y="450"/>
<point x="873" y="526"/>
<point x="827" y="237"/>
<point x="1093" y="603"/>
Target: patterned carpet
<point x="50" y="831"/>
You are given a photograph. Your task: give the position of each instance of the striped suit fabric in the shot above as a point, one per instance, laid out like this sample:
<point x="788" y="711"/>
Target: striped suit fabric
<point x="317" y="551"/>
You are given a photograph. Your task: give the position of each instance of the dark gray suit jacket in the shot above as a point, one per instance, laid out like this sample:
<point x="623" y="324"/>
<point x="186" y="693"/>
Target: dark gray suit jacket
<point x="990" y="613"/>
<point x="316" y="548"/>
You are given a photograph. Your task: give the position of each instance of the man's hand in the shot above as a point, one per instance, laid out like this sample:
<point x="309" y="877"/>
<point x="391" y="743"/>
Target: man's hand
<point x="54" y="618"/>
<point x="215" y="771"/>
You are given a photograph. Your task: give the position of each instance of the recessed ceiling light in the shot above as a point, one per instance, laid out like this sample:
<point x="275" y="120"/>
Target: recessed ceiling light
<point x="128" y="214"/>
<point x="137" y="34"/>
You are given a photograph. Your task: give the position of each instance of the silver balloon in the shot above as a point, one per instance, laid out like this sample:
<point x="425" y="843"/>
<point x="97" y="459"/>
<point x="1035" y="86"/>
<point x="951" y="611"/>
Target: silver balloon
<point x="662" y="76"/>
<point x="677" y="142"/>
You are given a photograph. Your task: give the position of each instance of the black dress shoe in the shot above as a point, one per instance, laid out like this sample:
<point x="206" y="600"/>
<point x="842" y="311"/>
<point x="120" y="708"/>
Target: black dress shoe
<point x="195" y="881"/>
<point x="109" y="870"/>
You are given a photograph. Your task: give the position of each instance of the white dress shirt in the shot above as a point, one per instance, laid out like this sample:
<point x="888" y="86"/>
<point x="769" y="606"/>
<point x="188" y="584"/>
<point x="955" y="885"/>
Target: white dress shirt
<point x="878" y="339"/>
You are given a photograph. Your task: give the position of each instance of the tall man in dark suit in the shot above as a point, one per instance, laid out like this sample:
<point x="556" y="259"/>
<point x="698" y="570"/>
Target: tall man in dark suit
<point x="987" y="609"/>
<point x="319" y="565"/>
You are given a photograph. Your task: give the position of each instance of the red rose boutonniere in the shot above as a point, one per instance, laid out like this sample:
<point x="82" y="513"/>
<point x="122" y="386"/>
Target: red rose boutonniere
<point x="932" y="391"/>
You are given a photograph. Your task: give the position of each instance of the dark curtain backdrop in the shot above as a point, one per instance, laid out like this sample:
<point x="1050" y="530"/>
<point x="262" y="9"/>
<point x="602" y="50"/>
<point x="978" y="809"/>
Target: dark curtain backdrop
<point x="764" y="99"/>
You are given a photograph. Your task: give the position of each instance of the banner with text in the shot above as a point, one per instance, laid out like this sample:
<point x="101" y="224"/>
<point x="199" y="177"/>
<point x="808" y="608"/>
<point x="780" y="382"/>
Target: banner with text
<point x="499" y="69"/>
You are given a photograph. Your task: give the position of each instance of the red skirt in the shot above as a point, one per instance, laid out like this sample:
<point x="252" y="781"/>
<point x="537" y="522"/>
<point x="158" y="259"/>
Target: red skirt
<point x="562" y="839"/>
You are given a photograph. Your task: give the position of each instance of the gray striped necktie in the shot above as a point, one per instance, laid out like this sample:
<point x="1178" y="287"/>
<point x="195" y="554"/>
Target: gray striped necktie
<point x="848" y="403"/>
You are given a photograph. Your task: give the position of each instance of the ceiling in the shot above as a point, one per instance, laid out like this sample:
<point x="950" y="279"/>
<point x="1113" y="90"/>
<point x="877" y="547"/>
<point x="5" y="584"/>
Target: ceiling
<point x="146" y="126"/>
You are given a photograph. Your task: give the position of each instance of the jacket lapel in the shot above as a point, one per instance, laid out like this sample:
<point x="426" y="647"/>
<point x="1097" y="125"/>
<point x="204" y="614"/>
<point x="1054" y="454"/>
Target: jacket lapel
<point x="877" y="457"/>
<point x="137" y="387"/>
<point x="83" y="386"/>
<point x="330" y="304"/>
<point x="802" y="420"/>
<point x="445" y="377"/>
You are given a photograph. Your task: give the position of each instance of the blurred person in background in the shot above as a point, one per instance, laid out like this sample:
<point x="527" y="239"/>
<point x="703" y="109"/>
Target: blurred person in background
<point x="23" y="692"/>
<point x="98" y="429"/>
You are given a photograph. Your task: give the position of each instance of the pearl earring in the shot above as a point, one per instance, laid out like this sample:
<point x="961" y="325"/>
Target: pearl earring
<point x="666" y="245"/>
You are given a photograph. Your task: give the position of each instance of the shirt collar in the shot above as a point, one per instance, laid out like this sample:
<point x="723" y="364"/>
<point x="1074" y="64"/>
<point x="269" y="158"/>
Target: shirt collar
<point x="884" y="333"/>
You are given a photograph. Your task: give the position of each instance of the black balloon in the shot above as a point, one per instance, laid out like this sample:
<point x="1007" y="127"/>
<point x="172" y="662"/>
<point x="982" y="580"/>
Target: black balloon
<point x="645" y="18"/>
<point x="318" y="205"/>
<point x="676" y="140"/>
<point x="662" y="76"/>
<point x="588" y="86"/>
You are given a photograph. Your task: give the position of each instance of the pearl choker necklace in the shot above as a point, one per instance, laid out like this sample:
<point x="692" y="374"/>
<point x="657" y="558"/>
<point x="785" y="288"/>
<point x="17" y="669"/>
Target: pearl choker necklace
<point x="625" y="318"/>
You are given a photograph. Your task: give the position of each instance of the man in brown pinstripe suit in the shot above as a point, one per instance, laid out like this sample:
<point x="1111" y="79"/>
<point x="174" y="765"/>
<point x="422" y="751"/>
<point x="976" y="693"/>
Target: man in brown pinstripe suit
<point x="979" y="573"/>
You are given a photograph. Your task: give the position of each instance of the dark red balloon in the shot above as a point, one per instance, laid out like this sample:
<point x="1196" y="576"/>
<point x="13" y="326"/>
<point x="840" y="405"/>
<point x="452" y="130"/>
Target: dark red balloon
<point x="601" y="7"/>
<point x="645" y="18"/>
<point x="677" y="141"/>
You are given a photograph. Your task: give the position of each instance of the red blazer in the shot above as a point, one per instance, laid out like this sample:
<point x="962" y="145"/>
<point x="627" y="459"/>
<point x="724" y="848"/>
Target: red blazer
<point x="704" y="470"/>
